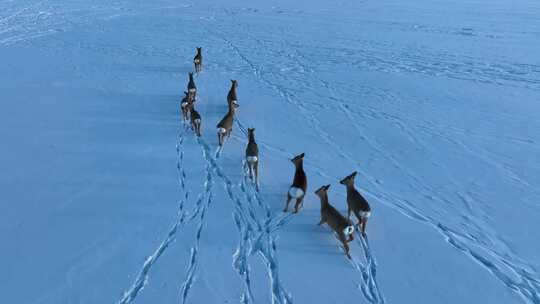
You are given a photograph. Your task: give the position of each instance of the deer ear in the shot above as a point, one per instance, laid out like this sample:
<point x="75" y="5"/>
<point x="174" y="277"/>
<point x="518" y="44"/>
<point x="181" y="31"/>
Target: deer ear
<point x="327" y="187"/>
<point x="302" y="155"/>
<point x="354" y="174"/>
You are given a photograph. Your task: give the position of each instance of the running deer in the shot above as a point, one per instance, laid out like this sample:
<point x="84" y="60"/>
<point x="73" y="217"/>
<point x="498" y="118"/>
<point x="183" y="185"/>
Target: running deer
<point x="356" y="202"/>
<point x="186" y="105"/>
<point x="252" y="157"/>
<point x="231" y="96"/>
<point x="196" y="121"/>
<point x="197" y="60"/>
<point x="340" y="224"/>
<point x="299" y="185"/>
<point x="192" y="88"/>
<point x="224" y="127"/>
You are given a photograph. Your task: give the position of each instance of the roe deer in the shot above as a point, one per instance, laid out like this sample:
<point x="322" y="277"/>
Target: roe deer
<point x="231" y="96"/>
<point x="192" y="88"/>
<point x="186" y="104"/>
<point x="252" y="157"/>
<point x="196" y="121"/>
<point x="197" y="60"/>
<point x="329" y="215"/>
<point x="356" y="202"/>
<point x="224" y="127"/>
<point x="299" y="185"/>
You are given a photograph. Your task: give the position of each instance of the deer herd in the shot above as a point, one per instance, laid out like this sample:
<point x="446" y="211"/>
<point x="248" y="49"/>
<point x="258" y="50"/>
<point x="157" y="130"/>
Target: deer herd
<point x="342" y="226"/>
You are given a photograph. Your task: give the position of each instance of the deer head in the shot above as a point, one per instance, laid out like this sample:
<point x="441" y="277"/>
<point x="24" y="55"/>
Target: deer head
<point x="349" y="180"/>
<point x="297" y="160"/>
<point x="321" y="192"/>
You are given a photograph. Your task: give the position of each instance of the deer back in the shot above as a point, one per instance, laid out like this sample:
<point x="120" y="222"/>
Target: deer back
<point x="198" y="56"/>
<point x="191" y="82"/>
<point x="227" y="121"/>
<point x="335" y="219"/>
<point x="356" y="201"/>
<point x="232" y="94"/>
<point x="300" y="179"/>
<point x="252" y="149"/>
<point x="195" y="114"/>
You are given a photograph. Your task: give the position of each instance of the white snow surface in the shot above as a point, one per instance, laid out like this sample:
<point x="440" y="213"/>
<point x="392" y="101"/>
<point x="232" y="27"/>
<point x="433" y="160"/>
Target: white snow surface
<point x="107" y="197"/>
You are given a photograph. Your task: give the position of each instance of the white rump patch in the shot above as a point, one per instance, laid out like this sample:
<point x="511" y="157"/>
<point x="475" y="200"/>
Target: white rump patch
<point x="184" y="104"/>
<point x="296" y="192"/>
<point x="348" y="230"/>
<point x="197" y="121"/>
<point x="192" y="90"/>
<point x="221" y="130"/>
<point x="196" y="60"/>
<point x="252" y="159"/>
<point x="365" y="214"/>
<point x="235" y="102"/>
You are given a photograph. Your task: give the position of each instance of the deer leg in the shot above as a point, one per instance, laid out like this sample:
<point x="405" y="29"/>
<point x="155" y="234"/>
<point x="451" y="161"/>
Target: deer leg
<point x="364" y="222"/>
<point x="288" y="201"/>
<point x="256" y="171"/>
<point x="298" y="204"/>
<point x="220" y="139"/>
<point x="349" y="213"/>
<point x="345" y="245"/>
<point x="250" y="169"/>
<point x="322" y="221"/>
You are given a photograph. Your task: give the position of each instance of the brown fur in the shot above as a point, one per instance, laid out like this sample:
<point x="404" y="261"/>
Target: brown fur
<point x="227" y="123"/>
<point x="186" y="105"/>
<point x="196" y="121"/>
<point x="299" y="181"/>
<point x="356" y="202"/>
<point x="334" y="219"/>
<point x="198" y="60"/>
<point x="231" y="96"/>
<point x="252" y="150"/>
<point x="191" y="87"/>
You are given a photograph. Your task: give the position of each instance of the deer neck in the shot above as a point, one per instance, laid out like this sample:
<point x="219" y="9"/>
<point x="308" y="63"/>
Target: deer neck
<point x="324" y="199"/>
<point x="231" y="110"/>
<point x="251" y="138"/>
<point x="300" y="166"/>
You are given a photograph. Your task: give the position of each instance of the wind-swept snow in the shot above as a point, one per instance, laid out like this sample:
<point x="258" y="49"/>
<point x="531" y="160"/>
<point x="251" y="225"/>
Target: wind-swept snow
<point x="108" y="197"/>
